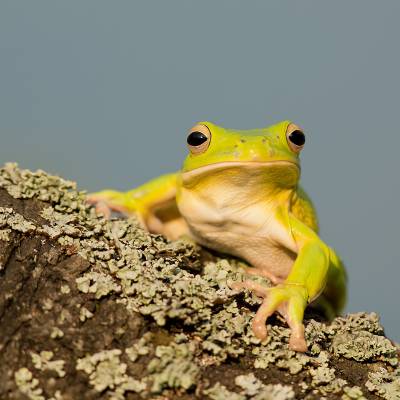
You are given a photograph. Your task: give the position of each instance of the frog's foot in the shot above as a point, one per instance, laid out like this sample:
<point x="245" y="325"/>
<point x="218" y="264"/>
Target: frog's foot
<point x="290" y="300"/>
<point x="264" y="273"/>
<point x="108" y="201"/>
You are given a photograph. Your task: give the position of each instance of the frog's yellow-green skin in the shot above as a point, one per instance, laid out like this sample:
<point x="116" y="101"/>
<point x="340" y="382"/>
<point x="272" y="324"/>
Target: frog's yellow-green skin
<point x="238" y="192"/>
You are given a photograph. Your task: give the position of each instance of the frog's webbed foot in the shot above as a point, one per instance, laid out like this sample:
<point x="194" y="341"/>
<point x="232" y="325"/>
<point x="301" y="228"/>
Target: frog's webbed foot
<point x="289" y="300"/>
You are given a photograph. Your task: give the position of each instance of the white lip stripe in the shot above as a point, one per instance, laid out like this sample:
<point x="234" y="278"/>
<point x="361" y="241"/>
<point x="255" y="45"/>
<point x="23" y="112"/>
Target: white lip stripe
<point x="200" y="170"/>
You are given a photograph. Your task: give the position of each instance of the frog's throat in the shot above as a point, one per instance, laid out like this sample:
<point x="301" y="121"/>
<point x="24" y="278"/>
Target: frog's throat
<point x="188" y="175"/>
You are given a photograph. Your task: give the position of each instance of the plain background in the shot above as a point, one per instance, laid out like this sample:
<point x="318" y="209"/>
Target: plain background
<point x="103" y="92"/>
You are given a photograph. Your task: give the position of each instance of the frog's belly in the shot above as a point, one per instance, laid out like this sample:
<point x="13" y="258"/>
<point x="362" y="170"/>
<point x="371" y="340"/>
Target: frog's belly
<point x="249" y="233"/>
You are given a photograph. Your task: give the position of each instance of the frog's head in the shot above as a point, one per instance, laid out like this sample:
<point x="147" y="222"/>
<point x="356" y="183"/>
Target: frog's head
<point x="272" y="151"/>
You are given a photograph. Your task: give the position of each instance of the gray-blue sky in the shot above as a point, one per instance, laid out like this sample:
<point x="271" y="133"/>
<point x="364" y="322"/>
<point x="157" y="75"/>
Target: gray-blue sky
<point x="103" y="93"/>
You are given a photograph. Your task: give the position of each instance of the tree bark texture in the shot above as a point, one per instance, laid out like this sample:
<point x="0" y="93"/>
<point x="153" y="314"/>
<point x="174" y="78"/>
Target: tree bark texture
<point x="99" y="309"/>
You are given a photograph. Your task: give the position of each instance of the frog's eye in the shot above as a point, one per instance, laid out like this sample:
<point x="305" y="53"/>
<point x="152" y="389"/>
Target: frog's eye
<point x="295" y="138"/>
<point x="198" y="139"/>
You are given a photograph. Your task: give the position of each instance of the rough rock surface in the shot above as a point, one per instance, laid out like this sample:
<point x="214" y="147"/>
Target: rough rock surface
<point x="98" y="309"/>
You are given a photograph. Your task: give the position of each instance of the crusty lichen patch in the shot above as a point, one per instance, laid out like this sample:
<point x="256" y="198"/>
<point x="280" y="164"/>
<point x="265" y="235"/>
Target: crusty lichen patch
<point x="43" y="361"/>
<point x="385" y="383"/>
<point x="173" y="367"/>
<point x="252" y="389"/>
<point x="28" y="385"/>
<point x="209" y="323"/>
<point x="10" y="219"/>
<point x="106" y="371"/>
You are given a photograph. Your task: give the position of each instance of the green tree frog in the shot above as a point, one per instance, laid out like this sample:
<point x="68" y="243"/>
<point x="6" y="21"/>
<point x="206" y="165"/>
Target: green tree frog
<point x="238" y="192"/>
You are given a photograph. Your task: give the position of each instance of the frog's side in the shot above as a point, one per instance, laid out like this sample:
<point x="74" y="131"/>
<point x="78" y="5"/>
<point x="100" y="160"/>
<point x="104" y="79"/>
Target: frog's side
<point x="238" y="193"/>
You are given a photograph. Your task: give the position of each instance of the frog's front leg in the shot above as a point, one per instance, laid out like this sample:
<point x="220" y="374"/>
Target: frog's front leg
<point x="304" y="283"/>
<point x="153" y="203"/>
<point x="107" y="201"/>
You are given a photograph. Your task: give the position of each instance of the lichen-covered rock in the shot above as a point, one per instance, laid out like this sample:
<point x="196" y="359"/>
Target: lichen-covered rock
<point x="93" y="308"/>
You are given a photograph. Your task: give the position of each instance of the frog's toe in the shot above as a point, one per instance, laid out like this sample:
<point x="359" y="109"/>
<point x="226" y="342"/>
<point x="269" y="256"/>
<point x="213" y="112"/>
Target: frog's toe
<point x="106" y="202"/>
<point x="103" y="208"/>
<point x="290" y="301"/>
<point x="258" y="289"/>
<point x="297" y="341"/>
<point x="263" y="273"/>
<point x="267" y="308"/>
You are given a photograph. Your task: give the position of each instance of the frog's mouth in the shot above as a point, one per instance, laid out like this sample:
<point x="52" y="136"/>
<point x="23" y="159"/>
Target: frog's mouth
<point x="292" y="168"/>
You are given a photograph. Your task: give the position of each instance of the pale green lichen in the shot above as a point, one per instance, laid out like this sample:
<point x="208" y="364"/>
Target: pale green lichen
<point x="355" y="323"/>
<point x="60" y="223"/>
<point x="47" y="304"/>
<point x="173" y="367"/>
<point x="106" y="371"/>
<point x="220" y="392"/>
<point x="26" y="184"/>
<point x="56" y="333"/>
<point x="28" y="385"/>
<point x="274" y="351"/>
<point x="249" y="383"/>
<point x="65" y="289"/>
<point x="98" y="283"/>
<point x="43" y="361"/>
<point x="10" y="219"/>
<point x="275" y="392"/>
<point x="353" y="393"/>
<point x="363" y="346"/>
<point x="166" y="282"/>
<point x="384" y="383"/>
<point x="322" y="375"/>
<point x="252" y="389"/>
<point x="140" y="348"/>
<point x="85" y="314"/>
<point x="5" y="234"/>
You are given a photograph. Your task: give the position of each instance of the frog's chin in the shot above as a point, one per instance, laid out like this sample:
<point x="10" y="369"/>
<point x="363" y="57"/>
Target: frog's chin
<point x="206" y="170"/>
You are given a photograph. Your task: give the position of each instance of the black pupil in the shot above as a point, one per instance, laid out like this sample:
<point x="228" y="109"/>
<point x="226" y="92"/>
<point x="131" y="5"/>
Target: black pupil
<point x="297" y="138"/>
<point x="196" y="138"/>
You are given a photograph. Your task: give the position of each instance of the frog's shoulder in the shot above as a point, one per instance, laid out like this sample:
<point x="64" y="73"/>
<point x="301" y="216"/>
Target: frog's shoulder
<point x="303" y="209"/>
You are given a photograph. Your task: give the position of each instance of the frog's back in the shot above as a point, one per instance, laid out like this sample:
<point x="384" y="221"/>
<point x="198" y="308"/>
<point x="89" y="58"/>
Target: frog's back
<point x="303" y="209"/>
